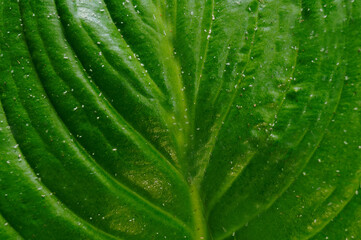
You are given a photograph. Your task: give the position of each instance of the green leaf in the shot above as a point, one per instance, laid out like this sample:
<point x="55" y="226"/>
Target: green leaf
<point x="207" y="119"/>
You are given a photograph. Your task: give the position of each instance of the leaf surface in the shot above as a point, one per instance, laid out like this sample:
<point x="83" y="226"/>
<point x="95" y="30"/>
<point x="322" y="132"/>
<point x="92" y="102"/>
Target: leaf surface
<point x="180" y="119"/>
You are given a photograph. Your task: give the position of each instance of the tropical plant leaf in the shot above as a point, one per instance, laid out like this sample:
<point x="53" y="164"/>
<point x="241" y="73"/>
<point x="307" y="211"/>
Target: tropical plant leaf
<point x="209" y="119"/>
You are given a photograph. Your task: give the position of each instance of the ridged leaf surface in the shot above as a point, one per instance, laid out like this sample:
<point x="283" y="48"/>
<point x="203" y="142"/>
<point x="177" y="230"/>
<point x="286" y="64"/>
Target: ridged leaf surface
<point x="180" y="119"/>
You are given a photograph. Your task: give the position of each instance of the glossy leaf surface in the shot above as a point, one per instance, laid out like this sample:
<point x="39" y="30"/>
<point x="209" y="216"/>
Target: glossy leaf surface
<point x="180" y="119"/>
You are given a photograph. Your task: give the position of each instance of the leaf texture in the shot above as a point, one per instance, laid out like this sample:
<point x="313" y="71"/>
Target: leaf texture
<point x="176" y="119"/>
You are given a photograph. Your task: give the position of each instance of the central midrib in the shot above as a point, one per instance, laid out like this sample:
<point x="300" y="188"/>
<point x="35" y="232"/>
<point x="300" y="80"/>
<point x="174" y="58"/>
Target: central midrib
<point x="200" y="224"/>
